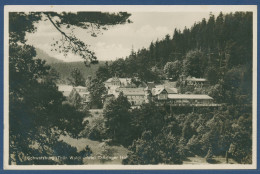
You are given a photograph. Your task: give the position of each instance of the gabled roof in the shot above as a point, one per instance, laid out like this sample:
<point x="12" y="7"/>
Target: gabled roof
<point x="108" y="80"/>
<point x="190" y="96"/>
<point x="156" y="91"/>
<point x="112" y="79"/>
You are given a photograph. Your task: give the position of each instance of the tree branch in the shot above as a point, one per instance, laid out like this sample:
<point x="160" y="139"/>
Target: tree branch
<point x="63" y="33"/>
<point x="74" y="44"/>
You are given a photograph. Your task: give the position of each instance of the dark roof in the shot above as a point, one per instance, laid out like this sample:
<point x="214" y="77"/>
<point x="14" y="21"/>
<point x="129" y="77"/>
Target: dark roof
<point x="158" y="90"/>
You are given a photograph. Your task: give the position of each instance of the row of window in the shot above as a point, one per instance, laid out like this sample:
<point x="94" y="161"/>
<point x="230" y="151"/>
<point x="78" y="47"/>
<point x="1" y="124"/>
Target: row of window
<point x="135" y="97"/>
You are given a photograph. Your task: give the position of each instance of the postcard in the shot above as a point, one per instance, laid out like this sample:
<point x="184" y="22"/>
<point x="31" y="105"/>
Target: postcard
<point x="130" y="87"/>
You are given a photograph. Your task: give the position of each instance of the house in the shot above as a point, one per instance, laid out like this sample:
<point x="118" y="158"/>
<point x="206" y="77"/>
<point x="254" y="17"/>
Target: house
<point x="85" y="96"/>
<point x="161" y="92"/>
<point x="113" y="83"/>
<point x="120" y="82"/>
<point x="136" y="96"/>
<point x="81" y="90"/>
<point x="192" y="81"/>
<point x="65" y="89"/>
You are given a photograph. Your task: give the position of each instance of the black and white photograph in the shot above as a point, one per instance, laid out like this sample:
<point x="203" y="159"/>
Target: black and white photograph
<point x="130" y="87"/>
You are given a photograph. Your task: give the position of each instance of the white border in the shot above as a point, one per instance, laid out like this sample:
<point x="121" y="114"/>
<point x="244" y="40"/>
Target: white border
<point x="128" y="8"/>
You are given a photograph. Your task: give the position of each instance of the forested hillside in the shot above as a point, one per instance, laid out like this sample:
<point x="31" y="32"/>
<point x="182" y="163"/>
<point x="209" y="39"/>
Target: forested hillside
<point x="64" y="69"/>
<point x="219" y="49"/>
<point x="40" y="54"/>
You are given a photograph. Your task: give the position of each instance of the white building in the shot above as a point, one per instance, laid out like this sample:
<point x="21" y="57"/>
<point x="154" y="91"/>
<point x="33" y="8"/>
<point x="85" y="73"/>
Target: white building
<point x="81" y="90"/>
<point x="65" y="89"/>
<point x="136" y="96"/>
<point x="113" y="83"/>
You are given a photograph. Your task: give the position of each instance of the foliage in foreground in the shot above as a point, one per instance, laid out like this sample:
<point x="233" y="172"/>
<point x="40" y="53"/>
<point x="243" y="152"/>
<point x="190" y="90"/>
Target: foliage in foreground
<point x="154" y="136"/>
<point x="37" y="114"/>
<point x="197" y="133"/>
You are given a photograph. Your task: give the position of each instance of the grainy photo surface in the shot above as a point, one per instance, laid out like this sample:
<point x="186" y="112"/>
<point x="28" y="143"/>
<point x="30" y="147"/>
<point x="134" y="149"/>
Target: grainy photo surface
<point x="130" y="88"/>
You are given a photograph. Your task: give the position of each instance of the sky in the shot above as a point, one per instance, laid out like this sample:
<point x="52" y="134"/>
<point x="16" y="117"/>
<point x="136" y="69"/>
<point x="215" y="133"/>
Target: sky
<point x="117" y="41"/>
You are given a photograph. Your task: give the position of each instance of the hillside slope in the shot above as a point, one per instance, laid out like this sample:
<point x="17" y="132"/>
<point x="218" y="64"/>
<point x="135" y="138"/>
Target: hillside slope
<point x="64" y="68"/>
<point x="40" y="54"/>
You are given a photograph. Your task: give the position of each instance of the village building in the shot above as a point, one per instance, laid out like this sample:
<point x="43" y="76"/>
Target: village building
<point x="65" y="89"/>
<point x="193" y="81"/>
<point x="136" y="96"/>
<point x="161" y="92"/>
<point x="113" y="83"/>
<point x="81" y="90"/>
<point x="119" y="82"/>
<point x="190" y="99"/>
<point x="196" y="82"/>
